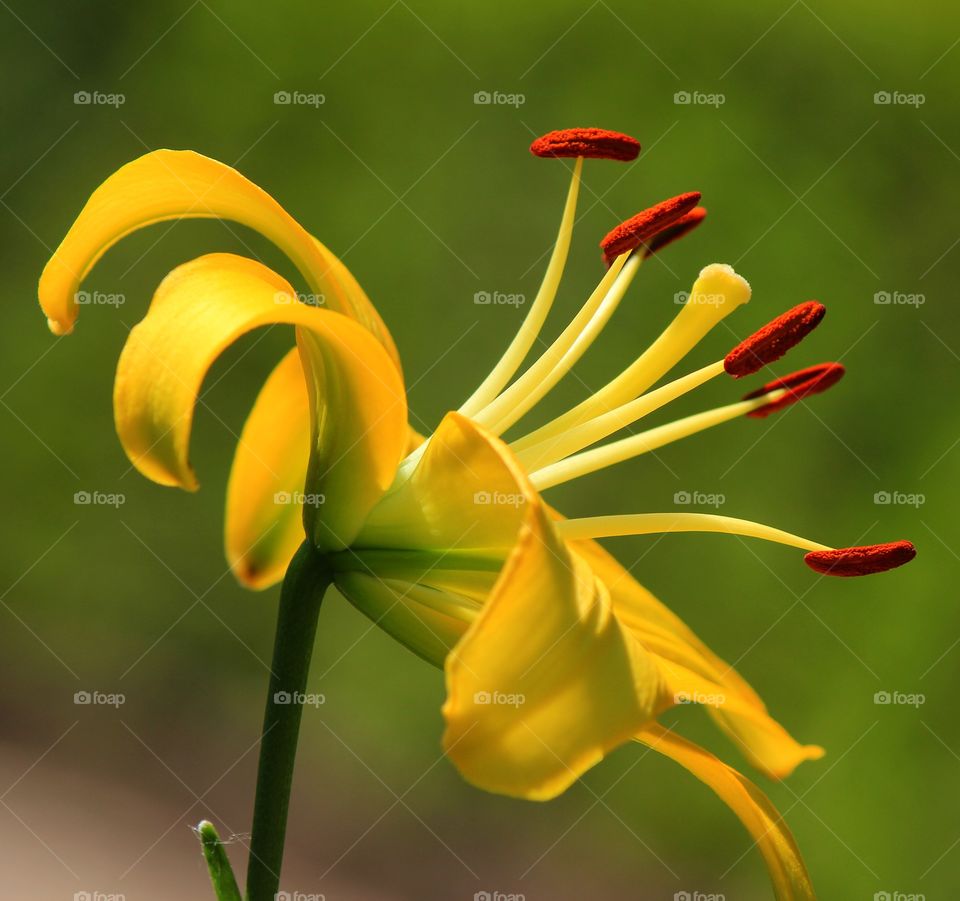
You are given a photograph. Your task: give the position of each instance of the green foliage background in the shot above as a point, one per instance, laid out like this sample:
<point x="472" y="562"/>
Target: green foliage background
<point x="814" y="190"/>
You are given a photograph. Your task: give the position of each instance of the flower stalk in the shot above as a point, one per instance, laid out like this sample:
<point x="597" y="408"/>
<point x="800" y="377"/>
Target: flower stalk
<point x="304" y="586"/>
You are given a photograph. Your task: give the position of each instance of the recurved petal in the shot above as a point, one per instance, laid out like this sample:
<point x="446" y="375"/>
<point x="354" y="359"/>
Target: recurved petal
<point x="179" y="184"/>
<point x="357" y="403"/>
<point x="692" y="669"/>
<point x="264" y="521"/>
<point x="546" y="681"/>
<point x="791" y="882"/>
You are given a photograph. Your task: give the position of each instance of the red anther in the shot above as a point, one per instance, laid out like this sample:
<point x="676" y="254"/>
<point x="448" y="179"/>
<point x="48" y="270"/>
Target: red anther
<point x="631" y="234"/>
<point x="673" y="232"/>
<point x="861" y="561"/>
<point x="799" y="384"/>
<point x="774" y="339"/>
<point x="594" y="143"/>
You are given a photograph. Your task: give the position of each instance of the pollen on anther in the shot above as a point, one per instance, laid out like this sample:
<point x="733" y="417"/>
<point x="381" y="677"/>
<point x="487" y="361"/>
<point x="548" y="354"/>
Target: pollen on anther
<point x="798" y="385"/>
<point x="636" y="230"/>
<point x="676" y="230"/>
<point x="774" y="339"/>
<point x="593" y="143"/>
<point x="861" y="561"/>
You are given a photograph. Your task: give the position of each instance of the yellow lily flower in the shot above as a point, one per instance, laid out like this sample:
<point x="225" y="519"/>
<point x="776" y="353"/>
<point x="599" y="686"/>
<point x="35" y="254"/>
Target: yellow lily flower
<point x="553" y="653"/>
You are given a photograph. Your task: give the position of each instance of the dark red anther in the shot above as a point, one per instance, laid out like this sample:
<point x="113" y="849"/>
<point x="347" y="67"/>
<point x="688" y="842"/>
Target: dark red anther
<point x="861" y="561"/>
<point x="593" y="143"/>
<point x="635" y="231"/>
<point x="774" y="339"/>
<point x="676" y="230"/>
<point x="799" y="384"/>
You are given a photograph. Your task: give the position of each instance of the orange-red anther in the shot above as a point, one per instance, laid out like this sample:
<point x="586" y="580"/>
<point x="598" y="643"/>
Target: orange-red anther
<point x="635" y="231"/>
<point x="799" y="385"/>
<point x="774" y="339"/>
<point x="861" y="561"/>
<point x="594" y="143"/>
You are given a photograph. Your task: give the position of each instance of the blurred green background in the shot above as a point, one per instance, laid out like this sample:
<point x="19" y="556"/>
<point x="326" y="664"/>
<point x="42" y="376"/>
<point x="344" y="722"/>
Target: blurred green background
<point x="814" y="190"/>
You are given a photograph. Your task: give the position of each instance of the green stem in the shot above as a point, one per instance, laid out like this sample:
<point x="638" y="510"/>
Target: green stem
<point x="304" y="585"/>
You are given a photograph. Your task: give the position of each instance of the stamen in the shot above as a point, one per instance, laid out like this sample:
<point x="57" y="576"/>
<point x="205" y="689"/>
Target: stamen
<point x="557" y="360"/>
<point x="642" y="443"/>
<point x="629" y="235"/>
<point x="717" y="292"/>
<point x="774" y="339"/>
<point x="861" y="561"/>
<point x="654" y="523"/>
<point x="797" y="385"/>
<point x="676" y="230"/>
<point x="594" y="143"/>
<point x="600" y="427"/>
<point x="527" y="334"/>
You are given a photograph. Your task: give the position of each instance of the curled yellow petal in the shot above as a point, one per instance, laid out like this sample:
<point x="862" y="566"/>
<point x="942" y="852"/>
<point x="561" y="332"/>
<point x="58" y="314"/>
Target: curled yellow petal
<point x="693" y="670"/>
<point x="545" y="682"/>
<point x="181" y="184"/>
<point x="788" y="873"/>
<point x="265" y="494"/>
<point x="357" y="403"/>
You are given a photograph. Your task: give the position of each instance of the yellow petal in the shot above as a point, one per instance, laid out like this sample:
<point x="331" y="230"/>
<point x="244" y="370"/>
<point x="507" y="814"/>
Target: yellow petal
<point x="264" y="521"/>
<point x="462" y="492"/>
<point x="546" y="681"/>
<point x="771" y="835"/>
<point x="691" y="668"/>
<point x="357" y="402"/>
<point x="181" y="184"/>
